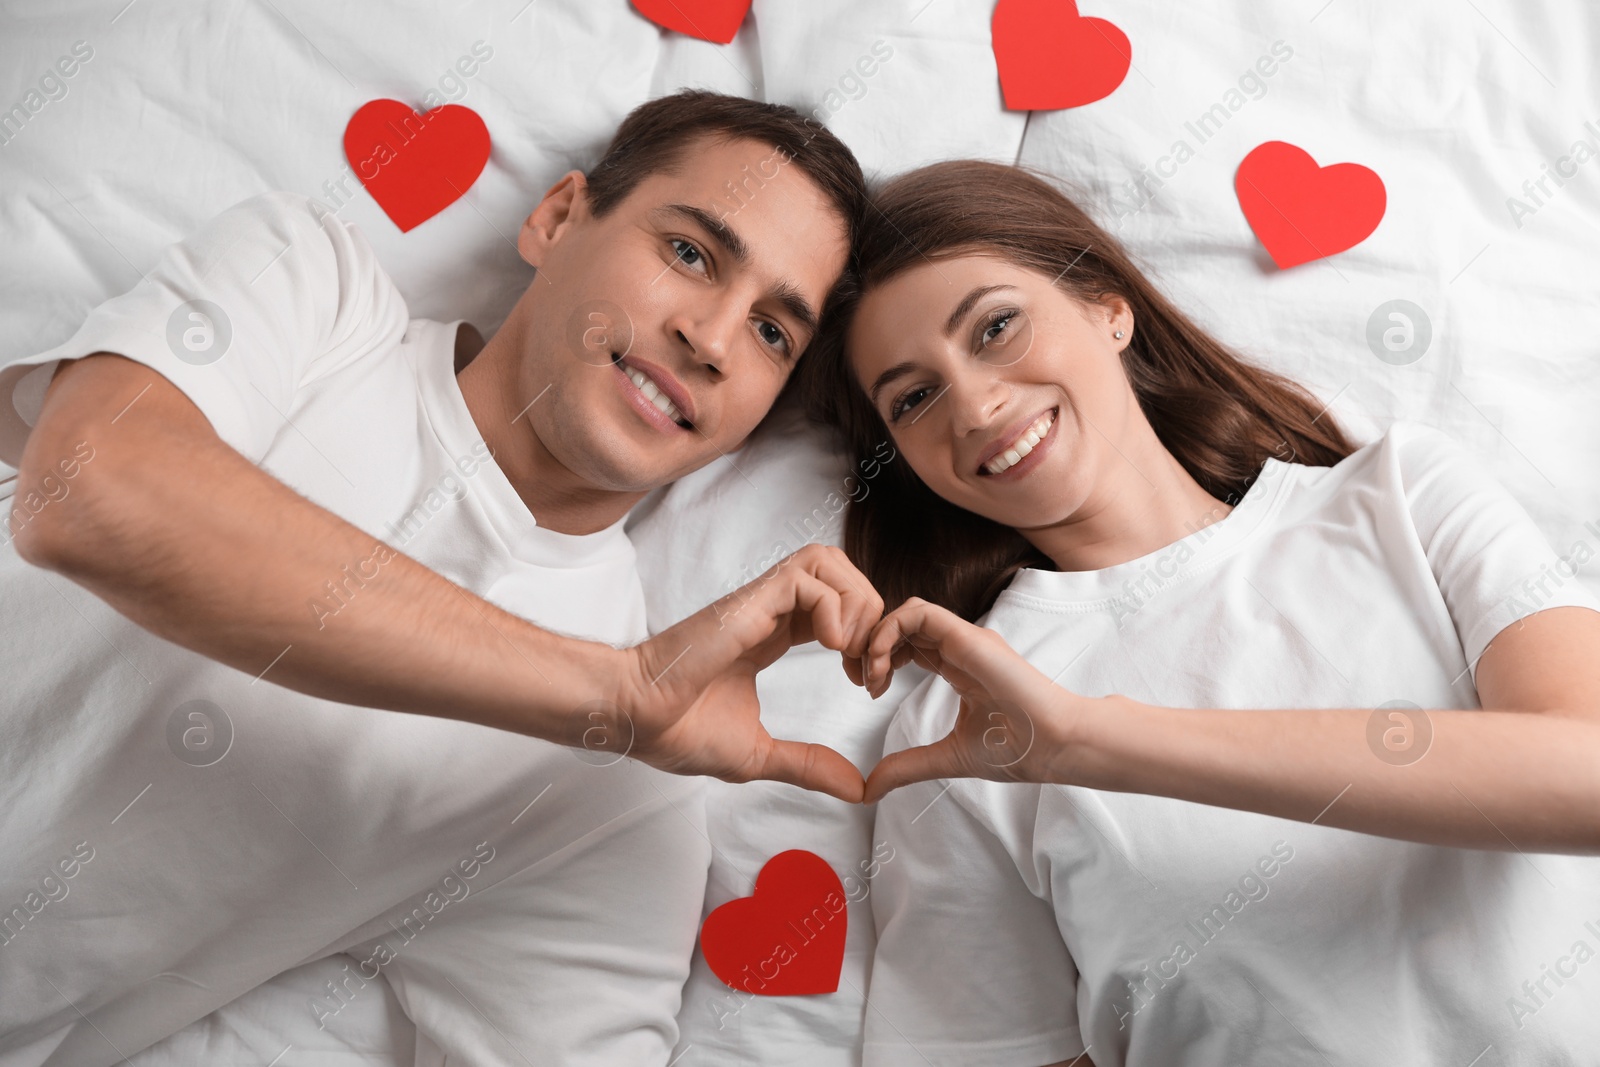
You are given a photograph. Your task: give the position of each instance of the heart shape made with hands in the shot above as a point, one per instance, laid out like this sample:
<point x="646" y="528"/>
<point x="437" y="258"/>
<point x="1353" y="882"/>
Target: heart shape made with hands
<point x="1051" y="57"/>
<point x="709" y="20"/>
<point x="787" y="937"/>
<point x="1302" y="212"/>
<point x="415" y="165"/>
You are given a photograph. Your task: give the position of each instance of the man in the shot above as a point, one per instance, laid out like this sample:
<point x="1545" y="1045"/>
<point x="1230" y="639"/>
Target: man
<point x="256" y="459"/>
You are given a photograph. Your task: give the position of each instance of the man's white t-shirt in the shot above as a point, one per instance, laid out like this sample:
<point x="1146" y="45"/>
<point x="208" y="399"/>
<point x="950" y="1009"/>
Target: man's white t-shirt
<point x="175" y="832"/>
<point x="1021" y="924"/>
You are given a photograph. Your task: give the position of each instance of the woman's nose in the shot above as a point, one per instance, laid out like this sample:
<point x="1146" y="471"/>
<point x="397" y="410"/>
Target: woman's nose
<point x="975" y="401"/>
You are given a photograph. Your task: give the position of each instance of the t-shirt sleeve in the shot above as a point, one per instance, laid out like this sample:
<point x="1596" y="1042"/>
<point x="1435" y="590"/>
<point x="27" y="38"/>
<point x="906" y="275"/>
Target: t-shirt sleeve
<point x="1493" y="564"/>
<point x="262" y="300"/>
<point x="970" y="968"/>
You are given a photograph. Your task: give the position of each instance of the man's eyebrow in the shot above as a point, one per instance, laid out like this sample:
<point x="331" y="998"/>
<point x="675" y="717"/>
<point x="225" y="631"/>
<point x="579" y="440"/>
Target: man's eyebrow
<point x="789" y="295"/>
<point x="966" y="305"/>
<point x="726" y="235"/>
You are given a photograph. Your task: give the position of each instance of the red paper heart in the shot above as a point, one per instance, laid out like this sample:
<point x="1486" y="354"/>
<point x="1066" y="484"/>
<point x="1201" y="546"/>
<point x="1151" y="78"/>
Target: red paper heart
<point x="415" y="165"/>
<point x="1301" y="211"/>
<point x="709" y="20"/>
<point x="1051" y="57"/>
<point x="788" y="937"/>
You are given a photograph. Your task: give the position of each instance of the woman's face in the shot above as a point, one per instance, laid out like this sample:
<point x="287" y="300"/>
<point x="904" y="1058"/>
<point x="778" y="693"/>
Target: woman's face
<point x="1005" y="394"/>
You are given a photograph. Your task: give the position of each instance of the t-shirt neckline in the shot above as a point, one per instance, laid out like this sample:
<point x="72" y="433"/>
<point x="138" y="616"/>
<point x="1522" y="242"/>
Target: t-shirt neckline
<point x="1182" y="558"/>
<point x="458" y="433"/>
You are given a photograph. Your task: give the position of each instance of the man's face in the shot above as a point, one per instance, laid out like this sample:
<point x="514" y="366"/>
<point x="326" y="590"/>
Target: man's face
<point x="666" y="328"/>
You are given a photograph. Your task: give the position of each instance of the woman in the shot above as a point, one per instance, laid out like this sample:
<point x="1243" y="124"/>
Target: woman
<point x="1209" y="627"/>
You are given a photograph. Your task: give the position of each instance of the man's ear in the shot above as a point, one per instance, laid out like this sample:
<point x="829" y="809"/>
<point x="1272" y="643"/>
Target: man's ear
<point x="565" y="203"/>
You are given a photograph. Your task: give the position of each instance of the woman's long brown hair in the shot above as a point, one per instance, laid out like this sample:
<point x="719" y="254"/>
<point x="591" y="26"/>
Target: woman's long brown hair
<point x="1219" y="415"/>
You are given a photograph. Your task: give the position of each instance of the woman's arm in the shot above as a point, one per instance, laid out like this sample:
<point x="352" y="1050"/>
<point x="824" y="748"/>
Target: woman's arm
<point x="1522" y="773"/>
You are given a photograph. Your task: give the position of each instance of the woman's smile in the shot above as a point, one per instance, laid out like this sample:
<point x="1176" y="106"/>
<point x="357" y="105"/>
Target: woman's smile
<point x="1020" y="448"/>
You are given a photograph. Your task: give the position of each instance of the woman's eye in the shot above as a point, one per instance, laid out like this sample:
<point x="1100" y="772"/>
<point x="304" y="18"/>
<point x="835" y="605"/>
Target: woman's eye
<point x="997" y="326"/>
<point x="773" y="336"/>
<point x="688" y="254"/>
<point x="906" y="401"/>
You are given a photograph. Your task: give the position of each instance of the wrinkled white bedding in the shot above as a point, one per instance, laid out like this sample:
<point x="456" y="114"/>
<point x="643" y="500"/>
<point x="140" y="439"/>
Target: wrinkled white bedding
<point x="181" y="110"/>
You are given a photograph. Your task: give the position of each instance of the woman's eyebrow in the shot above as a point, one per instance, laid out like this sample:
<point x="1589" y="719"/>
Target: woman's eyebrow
<point x="904" y="367"/>
<point x="966" y="305"/>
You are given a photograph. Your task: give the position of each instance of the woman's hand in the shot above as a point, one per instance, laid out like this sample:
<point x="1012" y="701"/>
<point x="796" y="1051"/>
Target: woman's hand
<point x="1014" y="724"/>
<point x="687" y="700"/>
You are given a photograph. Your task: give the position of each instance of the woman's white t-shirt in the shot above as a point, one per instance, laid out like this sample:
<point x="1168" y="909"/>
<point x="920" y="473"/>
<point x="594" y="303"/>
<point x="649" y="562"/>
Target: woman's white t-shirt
<point x="1021" y="924"/>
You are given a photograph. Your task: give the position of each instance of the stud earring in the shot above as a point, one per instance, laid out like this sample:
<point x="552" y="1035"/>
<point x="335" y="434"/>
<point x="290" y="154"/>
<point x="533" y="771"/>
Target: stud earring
<point x="1117" y="335"/>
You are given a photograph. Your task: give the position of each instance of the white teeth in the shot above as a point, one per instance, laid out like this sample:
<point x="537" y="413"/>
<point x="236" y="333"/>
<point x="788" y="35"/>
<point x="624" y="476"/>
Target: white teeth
<point x="1025" y="444"/>
<point x="653" y="394"/>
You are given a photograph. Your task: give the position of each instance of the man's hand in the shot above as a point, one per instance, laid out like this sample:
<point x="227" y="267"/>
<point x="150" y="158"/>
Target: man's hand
<point x="691" y="693"/>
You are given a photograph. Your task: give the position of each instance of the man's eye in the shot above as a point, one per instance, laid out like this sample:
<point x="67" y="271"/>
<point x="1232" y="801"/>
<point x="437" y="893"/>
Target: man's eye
<point x="773" y="336"/>
<point x="688" y="254"/>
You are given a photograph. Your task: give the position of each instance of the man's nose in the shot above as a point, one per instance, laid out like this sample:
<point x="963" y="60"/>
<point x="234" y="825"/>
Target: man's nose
<point x="709" y="329"/>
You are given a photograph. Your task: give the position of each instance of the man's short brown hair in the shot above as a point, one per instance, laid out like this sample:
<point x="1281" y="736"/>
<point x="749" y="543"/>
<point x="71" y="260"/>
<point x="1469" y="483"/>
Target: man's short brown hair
<point x="653" y="137"/>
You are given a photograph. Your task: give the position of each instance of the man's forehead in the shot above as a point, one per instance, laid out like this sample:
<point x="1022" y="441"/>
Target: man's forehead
<point x="740" y="175"/>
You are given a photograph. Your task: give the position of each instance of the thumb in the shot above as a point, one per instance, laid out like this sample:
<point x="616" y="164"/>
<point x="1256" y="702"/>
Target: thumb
<point x="812" y="766"/>
<point x="919" y="764"/>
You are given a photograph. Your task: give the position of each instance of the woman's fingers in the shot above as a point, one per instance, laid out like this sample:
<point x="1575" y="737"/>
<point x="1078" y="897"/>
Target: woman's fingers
<point x="931" y="635"/>
<point x="942" y="759"/>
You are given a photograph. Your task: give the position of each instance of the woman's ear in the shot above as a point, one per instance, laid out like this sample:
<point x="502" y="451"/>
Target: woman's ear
<point x="1113" y="313"/>
<point x="565" y="203"/>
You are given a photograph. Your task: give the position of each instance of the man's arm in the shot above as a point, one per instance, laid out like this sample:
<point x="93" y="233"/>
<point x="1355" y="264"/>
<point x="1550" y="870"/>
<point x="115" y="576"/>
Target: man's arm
<point x="192" y="541"/>
<point x="186" y="537"/>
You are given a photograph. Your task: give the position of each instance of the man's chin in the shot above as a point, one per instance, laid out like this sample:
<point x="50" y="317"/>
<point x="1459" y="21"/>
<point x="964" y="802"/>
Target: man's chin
<point x="633" y="468"/>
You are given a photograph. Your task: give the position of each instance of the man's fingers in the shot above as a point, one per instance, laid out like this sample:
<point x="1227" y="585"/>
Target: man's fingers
<point x="814" y="595"/>
<point x="853" y="668"/>
<point x="824" y="606"/>
<point x="815" y="767"/>
<point x="920" y="764"/>
<point x="701" y="647"/>
<point x="864" y="605"/>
